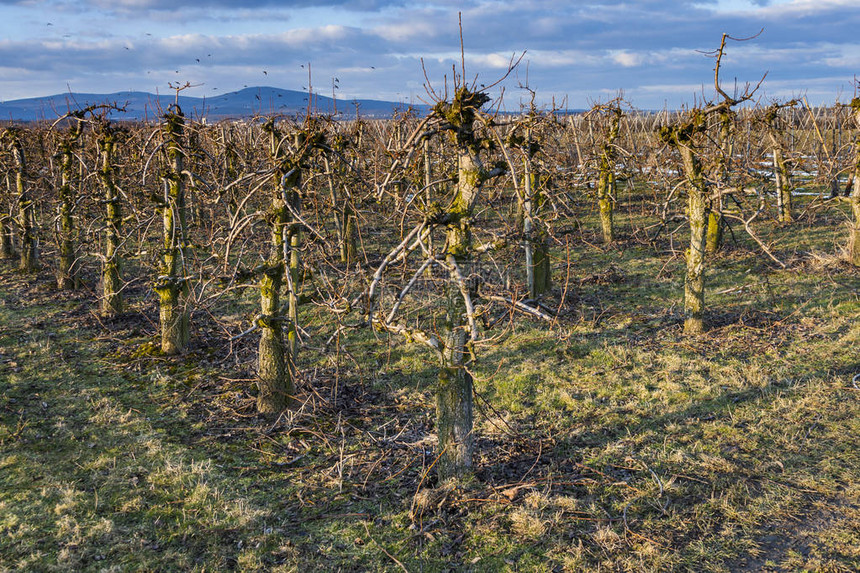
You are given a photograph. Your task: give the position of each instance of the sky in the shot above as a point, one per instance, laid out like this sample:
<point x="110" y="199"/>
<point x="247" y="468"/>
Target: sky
<point x="653" y="52"/>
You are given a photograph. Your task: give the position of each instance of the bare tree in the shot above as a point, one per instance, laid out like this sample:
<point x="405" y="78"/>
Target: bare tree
<point x="775" y="128"/>
<point x="683" y="136"/>
<point x="67" y="272"/>
<point x="172" y="283"/>
<point x="112" y="284"/>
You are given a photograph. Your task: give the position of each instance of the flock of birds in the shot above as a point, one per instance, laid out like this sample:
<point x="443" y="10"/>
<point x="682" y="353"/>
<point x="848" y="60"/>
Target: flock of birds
<point x="335" y="81"/>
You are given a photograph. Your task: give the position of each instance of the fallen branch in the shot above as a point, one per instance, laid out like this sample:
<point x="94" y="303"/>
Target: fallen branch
<point x="521" y="306"/>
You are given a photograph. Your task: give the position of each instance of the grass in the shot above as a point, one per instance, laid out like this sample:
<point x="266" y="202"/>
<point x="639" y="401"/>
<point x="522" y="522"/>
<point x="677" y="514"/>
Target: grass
<point x="609" y="441"/>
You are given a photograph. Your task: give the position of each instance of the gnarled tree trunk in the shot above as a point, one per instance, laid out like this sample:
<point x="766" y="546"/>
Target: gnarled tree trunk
<point x="697" y="211"/>
<point x="172" y="287"/>
<point x="274" y="372"/>
<point x="606" y="184"/>
<point x="67" y="273"/>
<point x="112" y="299"/>
<point x="454" y="418"/>
<point x="26" y="217"/>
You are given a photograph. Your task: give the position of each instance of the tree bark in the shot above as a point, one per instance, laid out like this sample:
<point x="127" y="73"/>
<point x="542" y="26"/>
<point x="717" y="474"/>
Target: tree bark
<point x="716" y="223"/>
<point x="172" y="287"/>
<point x="454" y="419"/>
<point x="67" y="273"/>
<point x="275" y="367"/>
<point x="7" y="245"/>
<point x="112" y="299"/>
<point x="783" y="186"/>
<point x="26" y="218"/>
<point x="605" y="187"/>
<point x="697" y="211"/>
<point x="606" y="183"/>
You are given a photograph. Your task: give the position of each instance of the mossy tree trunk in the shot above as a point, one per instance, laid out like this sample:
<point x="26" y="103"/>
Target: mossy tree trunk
<point x="26" y="216"/>
<point x="274" y="372"/>
<point x="454" y="417"/>
<point x="345" y="223"/>
<point x="530" y="199"/>
<point x="697" y="210"/>
<point x="112" y="298"/>
<point x="606" y="181"/>
<point x="716" y="223"/>
<point x="538" y="272"/>
<point x="348" y="248"/>
<point x="538" y="262"/>
<point x="67" y="273"/>
<point x="172" y="286"/>
<point x="854" y="198"/>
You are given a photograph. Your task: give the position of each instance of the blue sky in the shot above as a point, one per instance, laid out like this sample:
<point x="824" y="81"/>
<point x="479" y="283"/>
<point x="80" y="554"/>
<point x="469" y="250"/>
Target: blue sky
<point x="578" y="52"/>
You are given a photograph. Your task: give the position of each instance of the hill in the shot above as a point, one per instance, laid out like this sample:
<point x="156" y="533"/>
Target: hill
<point x="140" y="106"/>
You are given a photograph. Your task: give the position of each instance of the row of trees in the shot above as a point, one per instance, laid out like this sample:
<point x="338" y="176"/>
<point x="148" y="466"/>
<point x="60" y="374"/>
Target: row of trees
<point x="428" y="229"/>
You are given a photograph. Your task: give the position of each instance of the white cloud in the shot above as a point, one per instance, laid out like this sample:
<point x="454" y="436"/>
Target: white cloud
<point x="406" y="31"/>
<point x="626" y="59"/>
<point x="844" y="56"/>
<point x="777" y="7"/>
<point x="300" y="37"/>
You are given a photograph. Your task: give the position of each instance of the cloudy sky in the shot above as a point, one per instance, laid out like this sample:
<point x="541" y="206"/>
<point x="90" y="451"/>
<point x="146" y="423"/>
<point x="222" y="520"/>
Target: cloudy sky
<point x="584" y="51"/>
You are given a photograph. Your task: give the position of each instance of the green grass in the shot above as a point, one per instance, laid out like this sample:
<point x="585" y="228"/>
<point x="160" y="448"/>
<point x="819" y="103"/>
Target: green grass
<point x="608" y="441"/>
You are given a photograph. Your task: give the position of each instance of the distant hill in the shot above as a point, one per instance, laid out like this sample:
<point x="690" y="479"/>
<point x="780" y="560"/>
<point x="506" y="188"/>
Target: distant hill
<point x="245" y="103"/>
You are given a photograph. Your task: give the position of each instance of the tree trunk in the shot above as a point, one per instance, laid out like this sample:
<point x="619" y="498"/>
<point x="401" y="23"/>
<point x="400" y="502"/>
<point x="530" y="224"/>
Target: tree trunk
<point x="605" y="187"/>
<point x="273" y="377"/>
<point x="538" y="272"/>
<point x="697" y="207"/>
<point x="606" y="178"/>
<point x="172" y="287"/>
<point x="541" y="263"/>
<point x="454" y="419"/>
<point x="7" y="245"/>
<point x="345" y="223"/>
<point x="714" y="238"/>
<point x="783" y="186"/>
<point x="112" y="299"/>
<point x="67" y="273"/>
<point x="535" y="244"/>
<point x="716" y="223"/>
<point x="26" y="218"/>
<point x="348" y="249"/>
<point x="294" y="240"/>
<point x="275" y="367"/>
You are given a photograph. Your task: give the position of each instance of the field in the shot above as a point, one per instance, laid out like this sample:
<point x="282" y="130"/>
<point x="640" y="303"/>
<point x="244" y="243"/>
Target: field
<point x="607" y="440"/>
<point x="462" y="342"/>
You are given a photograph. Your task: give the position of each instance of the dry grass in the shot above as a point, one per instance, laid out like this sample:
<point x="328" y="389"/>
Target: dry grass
<point x="613" y="442"/>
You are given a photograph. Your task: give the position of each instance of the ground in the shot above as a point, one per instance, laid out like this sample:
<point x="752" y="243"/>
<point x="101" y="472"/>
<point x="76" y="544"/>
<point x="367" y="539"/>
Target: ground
<point x="606" y="441"/>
